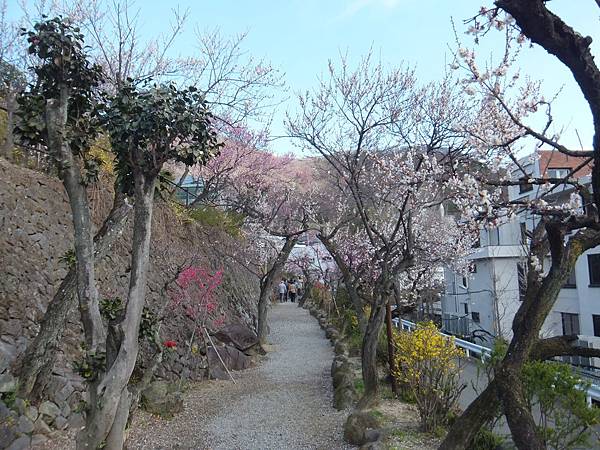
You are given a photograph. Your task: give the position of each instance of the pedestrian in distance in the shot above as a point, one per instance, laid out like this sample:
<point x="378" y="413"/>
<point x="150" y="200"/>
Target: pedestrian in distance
<point x="292" y="290"/>
<point x="282" y="291"/>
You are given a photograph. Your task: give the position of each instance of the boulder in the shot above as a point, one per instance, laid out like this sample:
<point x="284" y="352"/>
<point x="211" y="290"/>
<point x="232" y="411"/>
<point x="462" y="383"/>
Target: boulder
<point x="7" y="434"/>
<point x="240" y="336"/>
<point x="343" y="377"/>
<point x="163" y="399"/>
<point x="375" y="445"/>
<point x="20" y="405"/>
<point x="38" y="439"/>
<point x="32" y="413"/>
<point x="231" y="356"/>
<point x="4" y="411"/>
<point x="49" y="409"/>
<point x="24" y="425"/>
<point x="358" y="425"/>
<point x="41" y="427"/>
<point x="341" y="348"/>
<point x="21" y="443"/>
<point x="8" y="383"/>
<point x="344" y="397"/>
<point x="60" y="423"/>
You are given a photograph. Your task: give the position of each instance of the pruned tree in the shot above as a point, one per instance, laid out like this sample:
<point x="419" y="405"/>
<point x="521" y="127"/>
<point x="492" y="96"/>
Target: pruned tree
<point x="236" y="86"/>
<point x="147" y="127"/>
<point x="563" y="231"/>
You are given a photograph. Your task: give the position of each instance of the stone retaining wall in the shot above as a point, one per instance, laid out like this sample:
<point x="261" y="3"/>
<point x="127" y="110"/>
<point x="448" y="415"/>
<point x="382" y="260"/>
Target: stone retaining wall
<point x="36" y="231"/>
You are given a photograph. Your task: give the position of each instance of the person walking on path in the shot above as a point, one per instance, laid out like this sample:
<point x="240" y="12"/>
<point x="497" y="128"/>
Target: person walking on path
<point x="292" y="290"/>
<point x="282" y="291"/>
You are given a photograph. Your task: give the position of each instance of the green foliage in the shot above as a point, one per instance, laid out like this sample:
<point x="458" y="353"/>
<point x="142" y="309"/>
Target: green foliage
<point x="359" y="385"/>
<point x="9" y="398"/>
<point x="486" y="439"/>
<point x="111" y="308"/>
<point x="148" y="325"/>
<point x="229" y="221"/>
<point x="62" y="69"/>
<point x="559" y="393"/>
<point x="91" y="365"/>
<point x="149" y="126"/>
<point x="68" y="258"/>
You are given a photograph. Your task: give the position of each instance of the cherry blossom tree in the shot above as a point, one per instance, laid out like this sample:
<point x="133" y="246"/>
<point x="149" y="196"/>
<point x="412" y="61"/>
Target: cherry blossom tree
<point x="508" y="106"/>
<point x="391" y="148"/>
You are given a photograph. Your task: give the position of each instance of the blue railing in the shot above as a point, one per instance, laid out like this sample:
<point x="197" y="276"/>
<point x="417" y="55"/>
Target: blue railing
<point x="471" y="349"/>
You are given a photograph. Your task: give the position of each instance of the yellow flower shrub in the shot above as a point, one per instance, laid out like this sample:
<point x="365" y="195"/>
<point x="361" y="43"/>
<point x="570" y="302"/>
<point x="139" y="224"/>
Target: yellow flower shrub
<point x="428" y="364"/>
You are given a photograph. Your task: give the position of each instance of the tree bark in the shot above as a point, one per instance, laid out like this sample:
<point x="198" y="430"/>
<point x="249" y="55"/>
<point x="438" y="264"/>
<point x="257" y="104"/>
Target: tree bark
<point x="68" y="167"/>
<point x="38" y="359"/>
<point x="390" y="343"/>
<point x="266" y="287"/>
<point x="109" y="408"/>
<point x="355" y="299"/>
<point x="481" y="411"/>
<point x="369" y="355"/>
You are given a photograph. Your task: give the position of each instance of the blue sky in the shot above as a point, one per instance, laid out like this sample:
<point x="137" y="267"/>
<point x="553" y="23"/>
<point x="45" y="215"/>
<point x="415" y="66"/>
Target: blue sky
<point x="300" y="36"/>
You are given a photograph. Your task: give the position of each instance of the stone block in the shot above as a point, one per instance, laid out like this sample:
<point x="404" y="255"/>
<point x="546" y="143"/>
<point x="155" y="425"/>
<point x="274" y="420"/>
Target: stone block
<point x="41" y="427"/>
<point x="49" y="409"/>
<point x="8" y="383"/>
<point x="21" y="443"/>
<point x="24" y="425"/>
<point x="60" y="423"/>
<point x="32" y="413"/>
<point x="38" y="439"/>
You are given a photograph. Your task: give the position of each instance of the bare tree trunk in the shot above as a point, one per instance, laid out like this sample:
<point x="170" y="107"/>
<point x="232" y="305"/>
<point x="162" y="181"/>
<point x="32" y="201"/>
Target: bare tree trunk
<point x="39" y="357"/>
<point x="390" y="343"/>
<point x="56" y="119"/>
<point x="369" y="354"/>
<point x="111" y="400"/>
<point x="355" y="299"/>
<point x="266" y="287"/>
<point x="481" y="411"/>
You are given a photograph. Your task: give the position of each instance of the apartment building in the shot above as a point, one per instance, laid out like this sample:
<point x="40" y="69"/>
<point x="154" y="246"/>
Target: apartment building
<point x="483" y="304"/>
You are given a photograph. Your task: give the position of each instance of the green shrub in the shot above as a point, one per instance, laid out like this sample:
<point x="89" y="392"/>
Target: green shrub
<point x="486" y="439"/>
<point x="229" y="221"/>
<point x="565" y="419"/>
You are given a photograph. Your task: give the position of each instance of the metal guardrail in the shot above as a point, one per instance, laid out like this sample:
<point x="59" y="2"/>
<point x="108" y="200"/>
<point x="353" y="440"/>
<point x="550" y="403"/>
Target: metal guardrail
<point x="471" y="349"/>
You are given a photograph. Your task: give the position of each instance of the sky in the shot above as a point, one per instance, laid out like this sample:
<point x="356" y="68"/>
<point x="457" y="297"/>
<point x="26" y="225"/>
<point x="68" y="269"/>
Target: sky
<point x="299" y="37"/>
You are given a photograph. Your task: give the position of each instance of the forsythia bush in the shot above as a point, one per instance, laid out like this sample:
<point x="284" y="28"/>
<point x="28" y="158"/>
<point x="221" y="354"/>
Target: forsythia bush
<point x="428" y="364"/>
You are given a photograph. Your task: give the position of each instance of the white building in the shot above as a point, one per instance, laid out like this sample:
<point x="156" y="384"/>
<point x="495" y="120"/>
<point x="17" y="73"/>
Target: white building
<point x="484" y="304"/>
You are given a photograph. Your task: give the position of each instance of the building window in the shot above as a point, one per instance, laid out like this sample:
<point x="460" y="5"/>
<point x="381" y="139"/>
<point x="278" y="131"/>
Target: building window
<point x="594" y="269"/>
<point x="596" y="320"/>
<point x="523" y="227"/>
<point x="494" y="236"/>
<point x="522" y="279"/>
<point x="473" y="268"/>
<point x="570" y="323"/>
<point x="524" y="186"/>
<point x="465" y="282"/>
<point x="466" y="308"/>
<point x="571" y="282"/>
<point x="558" y="172"/>
<point x="475" y="317"/>
<point x="477" y="243"/>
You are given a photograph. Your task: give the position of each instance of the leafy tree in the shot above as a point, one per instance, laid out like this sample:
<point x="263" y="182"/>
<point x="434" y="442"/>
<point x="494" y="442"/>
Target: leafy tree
<point x="147" y="127"/>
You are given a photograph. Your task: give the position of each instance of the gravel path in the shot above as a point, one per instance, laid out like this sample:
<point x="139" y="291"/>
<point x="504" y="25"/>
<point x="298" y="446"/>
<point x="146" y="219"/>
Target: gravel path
<point x="284" y="403"/>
